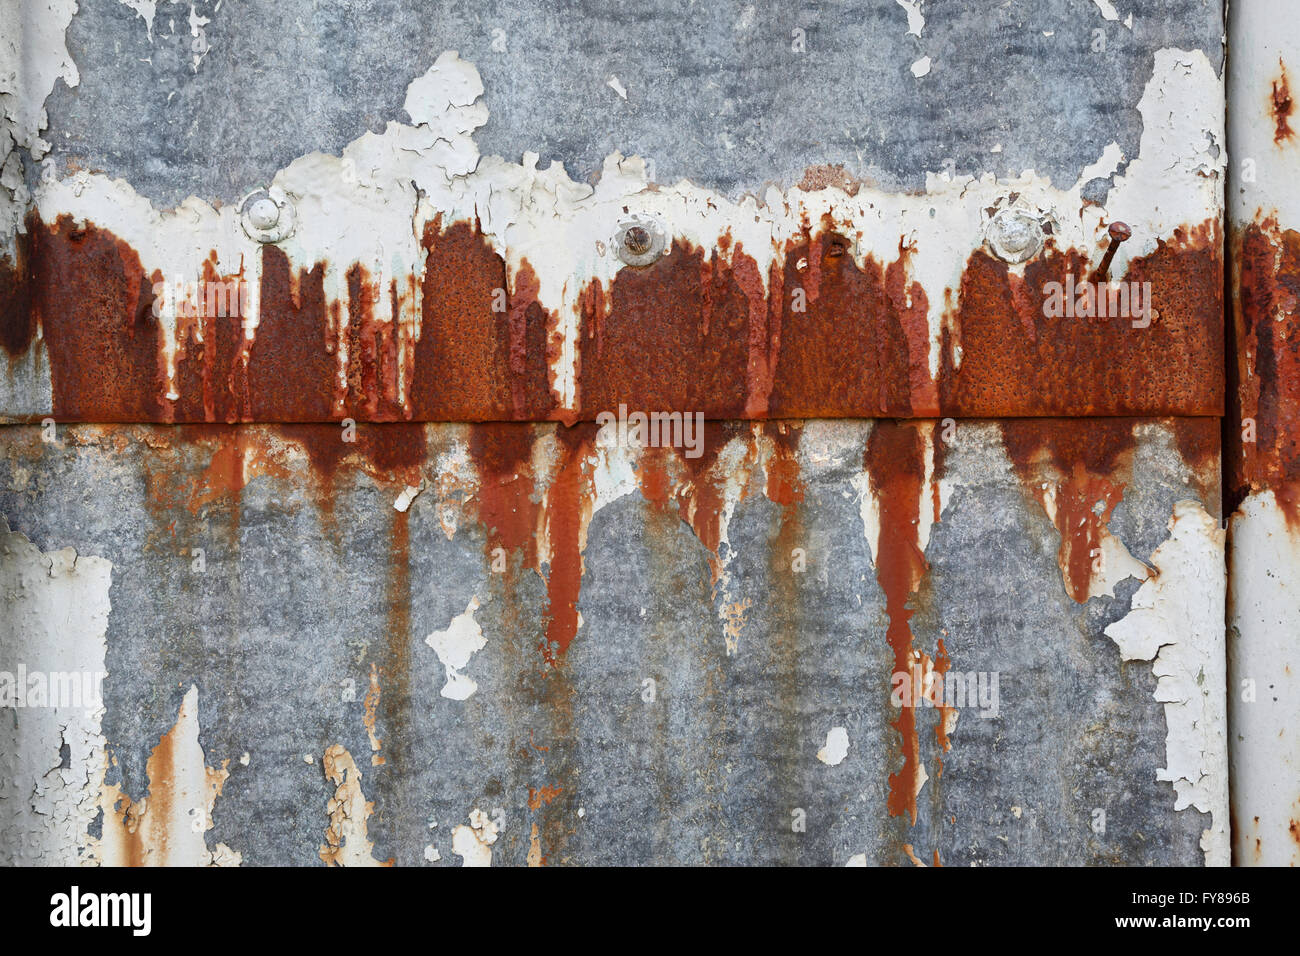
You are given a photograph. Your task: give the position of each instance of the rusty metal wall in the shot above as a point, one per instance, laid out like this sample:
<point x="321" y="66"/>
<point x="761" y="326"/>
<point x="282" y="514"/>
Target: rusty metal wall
<point x="326" y="467"/>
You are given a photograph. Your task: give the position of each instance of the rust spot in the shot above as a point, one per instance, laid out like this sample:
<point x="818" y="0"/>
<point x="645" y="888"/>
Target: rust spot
<point x="829" y="177"/>
<point x="1087" y="468"/>
<point x="894" y="460"/>
<point x="1267" y="372"/>
<point x="542" y="795"/>
<point x="1283" y="107"/>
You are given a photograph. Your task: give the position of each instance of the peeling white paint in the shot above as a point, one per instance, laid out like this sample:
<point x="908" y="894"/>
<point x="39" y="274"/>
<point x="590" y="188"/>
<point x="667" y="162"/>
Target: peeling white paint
<point x="473" y="843"/>
<point x="921" y="67"/>
<point x="455" y="645"/>
<point x="346" y="841"/>
<point x="836" y="747"/>
<point x="53" y="618"/>
<point x="1176" y="622"/>
<point x="32" y="58"/>
<point x="915" y="19"/>
<point x="167" y="826"/>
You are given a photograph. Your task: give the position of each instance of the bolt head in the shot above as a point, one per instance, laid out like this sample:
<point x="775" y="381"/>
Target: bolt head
<point x="1014" y="235"/>
<point x="267" y="215"/>
<point x="1119" y="231"/>
<point x="263" y="213"/>
<point x="640" y="241"/>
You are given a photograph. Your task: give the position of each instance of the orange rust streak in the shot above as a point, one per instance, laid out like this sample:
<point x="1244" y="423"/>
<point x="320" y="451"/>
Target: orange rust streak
<point x="568" y="507"/>
<point x="543" y="795"/>
<point x="1087" y="466"/>
<point x="894" y="462"/>
<point x="1267" y="370"/>
<point x="1283" y="107"/>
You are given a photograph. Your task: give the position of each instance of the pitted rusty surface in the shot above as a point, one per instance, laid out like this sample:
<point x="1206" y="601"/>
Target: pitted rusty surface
<point x="1265" y="425"/>
<point x="688" y="333"/>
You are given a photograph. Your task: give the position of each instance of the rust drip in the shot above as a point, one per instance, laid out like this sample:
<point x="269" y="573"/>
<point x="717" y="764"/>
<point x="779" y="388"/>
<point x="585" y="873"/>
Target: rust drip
<point x="568" y="509"/>
<point x="212" y="354"/>
<point x="895" y="462"/>
<point x="1263" y="447"/>
<point x="17" y="319"/>
<point x="1087" y="468"/>
<point x="695" y="487"/>
<point x="1282" y="106"/>
<point x="511" y="517"/>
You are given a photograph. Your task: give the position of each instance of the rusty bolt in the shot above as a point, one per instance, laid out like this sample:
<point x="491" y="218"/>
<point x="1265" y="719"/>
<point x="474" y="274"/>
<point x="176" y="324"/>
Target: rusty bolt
<point x="1014" y="235"/>
<point x="267" y="215"/>
<point x="637" y="240"/>
<point x="640" y="241"/>
<point x="1118" y="231"/>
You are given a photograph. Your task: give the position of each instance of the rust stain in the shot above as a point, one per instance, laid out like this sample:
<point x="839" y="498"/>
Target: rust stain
<point x="695" y="486"/>
<point x="568" y="509"/>
<point x="17" y="319"/>
<point x="894" y="460"/>
<point x="818" y="335"/>
<point x="1086" y="468"/>
<point x="674" y="335"/>
<point x="1282" y="106"/>
<point x="293" y="365"/>
<point x="94" y="304"/>
<point x="542" y="795"/>
<point x="1266" y="404"/>
<point x="212" y="352"/>
<point x="511" y="516"/>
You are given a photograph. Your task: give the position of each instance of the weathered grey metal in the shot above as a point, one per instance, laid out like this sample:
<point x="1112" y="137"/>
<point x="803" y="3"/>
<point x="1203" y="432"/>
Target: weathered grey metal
<point x="724" y="94"/>
<point x="298" y="604"/>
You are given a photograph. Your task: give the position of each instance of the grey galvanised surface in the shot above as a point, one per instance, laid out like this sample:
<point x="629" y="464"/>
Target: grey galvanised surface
<point x="295" y="600"/>
<point x="714" y="92"/>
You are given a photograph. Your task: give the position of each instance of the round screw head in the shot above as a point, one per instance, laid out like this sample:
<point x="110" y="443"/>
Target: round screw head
<point x="263" y="213"/>
<point x="267" y="215"/>
<point x="1014" y="235"/>
<point x="1119" y="231"/>
<point x="637" y="240"/>
<point x="640" y="240"/>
